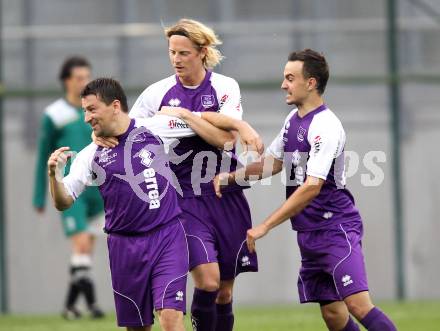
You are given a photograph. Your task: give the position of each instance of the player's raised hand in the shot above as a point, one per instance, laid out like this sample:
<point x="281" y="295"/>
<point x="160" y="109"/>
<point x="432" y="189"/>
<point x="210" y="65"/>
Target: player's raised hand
<point x="219" y="181"/>
<point x="107" y="142"/>
<point x="255" y="233"/>
<point x="250" y="139"/>
<point x="57" y="160"/>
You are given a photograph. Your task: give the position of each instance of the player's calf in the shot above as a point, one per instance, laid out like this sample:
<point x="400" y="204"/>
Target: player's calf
<point x="225" y="315"/>
<point x="372" y="318"/>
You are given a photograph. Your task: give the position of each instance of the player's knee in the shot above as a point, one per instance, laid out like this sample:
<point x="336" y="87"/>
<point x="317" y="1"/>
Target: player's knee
<point x="334" y="318"/>
<point x="209" y="285"/>
<point x="224" y="296"/>
<point x="170" y="319"/>
<point x="359" y="309"/>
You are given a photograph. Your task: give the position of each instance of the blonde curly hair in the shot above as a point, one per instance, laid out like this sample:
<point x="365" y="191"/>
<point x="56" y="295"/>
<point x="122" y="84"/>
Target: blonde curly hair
<point x="201" y="36"/>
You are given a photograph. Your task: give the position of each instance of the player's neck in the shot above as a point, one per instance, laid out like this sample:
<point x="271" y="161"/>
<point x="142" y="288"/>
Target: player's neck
<point x="122" y="124"/>
<point x="309" y="105"/>
<point x="194" y="80"/>
<point x="73" y="99"/>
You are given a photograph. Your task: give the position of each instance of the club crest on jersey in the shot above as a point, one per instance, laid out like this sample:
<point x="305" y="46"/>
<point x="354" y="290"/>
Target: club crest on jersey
<point x="207" y="100"/>
<point x="300" y="134"/>
<point x="174" y="102"/>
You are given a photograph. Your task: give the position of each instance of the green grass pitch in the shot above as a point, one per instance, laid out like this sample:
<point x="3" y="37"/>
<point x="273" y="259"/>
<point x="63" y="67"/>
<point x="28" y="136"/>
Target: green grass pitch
<point x="409" y="316"/>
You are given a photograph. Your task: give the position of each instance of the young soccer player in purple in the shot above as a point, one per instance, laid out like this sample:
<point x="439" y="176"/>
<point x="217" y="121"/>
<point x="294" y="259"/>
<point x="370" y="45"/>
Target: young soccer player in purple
<point x="310" y="146"/>
<point x="148" y="250"/>
<point x="216" y="229"/>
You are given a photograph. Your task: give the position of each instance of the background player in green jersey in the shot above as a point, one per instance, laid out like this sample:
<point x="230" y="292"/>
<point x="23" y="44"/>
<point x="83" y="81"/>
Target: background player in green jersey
<point x="63" y="125"/>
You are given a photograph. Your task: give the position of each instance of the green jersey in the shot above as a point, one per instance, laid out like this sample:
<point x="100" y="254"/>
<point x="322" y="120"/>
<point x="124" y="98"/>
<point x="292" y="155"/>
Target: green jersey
<point x="61" y="125"/>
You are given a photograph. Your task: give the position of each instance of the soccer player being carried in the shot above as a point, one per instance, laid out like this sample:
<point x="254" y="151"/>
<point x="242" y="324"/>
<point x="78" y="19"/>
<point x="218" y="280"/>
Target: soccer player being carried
<point x="310" y="146"/>
<point x="216" y="229"/>
<point x="148" y="250"/>
<point x="63" y="125"/>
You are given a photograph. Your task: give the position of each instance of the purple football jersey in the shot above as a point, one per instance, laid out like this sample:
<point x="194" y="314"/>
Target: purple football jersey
<point x="314" y="145"/>
<point x="134" y="181"/>
<point x="194" y="161"/>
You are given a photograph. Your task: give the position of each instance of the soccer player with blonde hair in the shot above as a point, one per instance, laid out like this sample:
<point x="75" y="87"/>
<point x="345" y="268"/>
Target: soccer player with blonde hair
<point x="210" y="103"/>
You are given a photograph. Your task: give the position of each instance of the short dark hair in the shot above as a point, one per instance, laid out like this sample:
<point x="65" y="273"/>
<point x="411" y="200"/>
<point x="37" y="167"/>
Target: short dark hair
<point x="315" y="65"/>
<point x="69" y="64"/>
<point x="107" y="90"/>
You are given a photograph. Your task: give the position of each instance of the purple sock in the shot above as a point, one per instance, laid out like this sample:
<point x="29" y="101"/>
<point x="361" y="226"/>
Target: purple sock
<point x="377" y="321"/>
<point x="203" y="310"/>
<point x="351" y="325"/>
<point x="225" y="317"/>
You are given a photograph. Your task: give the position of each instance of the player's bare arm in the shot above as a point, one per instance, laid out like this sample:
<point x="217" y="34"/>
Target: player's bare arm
<point x="291" y="207"/>
<point x="267" y="166"/>
<point x="250" y="139"/>
<point x="208" y="132"/>
<point x="62" y="200"/>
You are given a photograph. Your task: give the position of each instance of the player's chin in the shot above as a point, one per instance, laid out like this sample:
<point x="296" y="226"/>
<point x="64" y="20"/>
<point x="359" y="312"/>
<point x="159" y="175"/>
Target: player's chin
<point x="290" y="101"/>
<point x="98" y="133"/>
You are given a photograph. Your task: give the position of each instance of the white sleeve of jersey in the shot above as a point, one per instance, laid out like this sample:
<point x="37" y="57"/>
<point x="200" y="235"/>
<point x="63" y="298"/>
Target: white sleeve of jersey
<point x="144" y="106"/>
<point x="148" y="103"/>
<point x="80" y="175"/>
<point x="228" y="95"/>
<point x="166" y="126"/>
<point x="326" y="137"/>
<point x="276" y="148"/>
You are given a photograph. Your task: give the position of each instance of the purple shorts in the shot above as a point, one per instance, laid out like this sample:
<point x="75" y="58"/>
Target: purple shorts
<point x="216" y="231"/>
<point x="332" y="263"/>
<point x="148" y="272"/>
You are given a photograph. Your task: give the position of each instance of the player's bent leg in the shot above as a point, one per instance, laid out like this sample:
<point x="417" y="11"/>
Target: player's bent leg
<point x="225" y="315"/>
<point x="371" y="317"/>
<point x="171" y="320"/>
<point x="337" y="317"/>
<point x="203" y="308"/>
<point x="359" y="304"/>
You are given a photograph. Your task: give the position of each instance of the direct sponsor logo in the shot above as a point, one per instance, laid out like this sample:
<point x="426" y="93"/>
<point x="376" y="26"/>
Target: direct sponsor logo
<point x="317" y="142"/>
<point x="176" y="124"/>
<point x="223" y="100"/>
<point x="106" y="158"/>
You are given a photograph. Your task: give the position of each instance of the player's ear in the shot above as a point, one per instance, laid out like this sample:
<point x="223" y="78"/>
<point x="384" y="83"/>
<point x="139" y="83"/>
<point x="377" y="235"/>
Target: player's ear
<point x="312" y="84"/>
<point x="203" y="52"/>
<point x="116" y="106"/>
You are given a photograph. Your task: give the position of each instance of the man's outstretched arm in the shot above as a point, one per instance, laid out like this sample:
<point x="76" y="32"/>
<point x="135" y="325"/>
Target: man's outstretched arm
<point x="267" y="166"/>
<point x="291" y="207"/>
